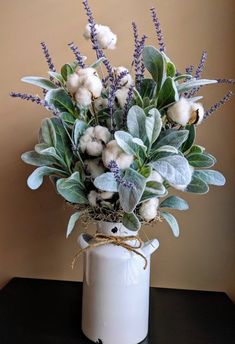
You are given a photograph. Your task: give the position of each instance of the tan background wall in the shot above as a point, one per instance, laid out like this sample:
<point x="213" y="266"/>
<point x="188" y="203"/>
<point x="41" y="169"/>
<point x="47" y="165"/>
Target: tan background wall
<point x="32" y="232"/>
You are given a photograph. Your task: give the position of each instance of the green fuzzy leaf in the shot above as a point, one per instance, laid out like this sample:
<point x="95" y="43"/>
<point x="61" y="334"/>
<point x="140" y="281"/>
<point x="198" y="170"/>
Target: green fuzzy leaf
<point x="169" y="149"/>
<point x="173" y="138"/>
<point x="196" y="149"/>
<point x="72" y="189"/>
<point x="131" y="221"/>
<point x="171" y="220"/>
<point x="136" y="122"/>
<point x="197" y="185"/>
<point x="155" y="64"/>
<point x="153" y="125"/>
<point x="35" y="180"/>
<point x="174" y="202"/>
<point x="40" y="82"/>
<point x="72" y="222"/>
<point x="191" y="138"/>
<point x="48" y="132"/>
<point x="200" y="160"/>
<point x="148" y="88"/>
<point x="78" y="130"/>
<point x="130" y="196"/>
<point x="158" y="189"/>
<point x="57" y="77"/>
<point x="68" y="118"/>
<point x="106" y="182"/>
<point x="168" y="94"/>
<point x="188" y="85"/>
<point x="35" y="159"/>
<point x="175" y="169"/>
<point x="61" y="100"/>
<point x="145" y="171"/>
<point x="125" y="141"/>
<point x="66" y="71"/>
<point x="210" y="177"/>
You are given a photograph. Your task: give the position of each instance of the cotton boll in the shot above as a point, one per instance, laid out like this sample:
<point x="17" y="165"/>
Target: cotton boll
<point x="155" y="177"/>
<point x="121" y="96"/>
<point x="94" y="167"/>
<point x="105" y="37"/>
<point x="73" y="83"/>
<point x="127" y="80"/>
<point x="92" y="198"/>
<point x="83" y="96"/>
<point x="197" y="113"/>
<point x="90" y="80"/>
<point x="180" y="112"/>
<point x="114" y="152"/>
<point x="106" y="195"/>
<point x="93" y="140"/>
<point x="148" y="209"/>
<point x="100" y="103"/>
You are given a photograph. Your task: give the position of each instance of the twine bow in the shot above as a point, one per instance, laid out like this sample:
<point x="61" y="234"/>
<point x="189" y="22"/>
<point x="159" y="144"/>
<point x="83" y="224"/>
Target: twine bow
<point x="102" y="239"/>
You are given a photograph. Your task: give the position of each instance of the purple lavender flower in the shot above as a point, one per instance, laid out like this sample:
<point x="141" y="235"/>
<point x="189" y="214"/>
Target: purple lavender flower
<point x="35" y="99"/>
<point x="128" y="102"/>
<point x="48" y="57"/>
<point x="137" y="57"/>
<point x="201" y="65"/>
<point x="77" y="53"/>
<point x="189" y="69"/>
<point x="226" y="81"/>
<point x="158" y="29"/>
<point x="217" y="105"/>
<point x="95" y="44"/>
<point x="117" y="175"/>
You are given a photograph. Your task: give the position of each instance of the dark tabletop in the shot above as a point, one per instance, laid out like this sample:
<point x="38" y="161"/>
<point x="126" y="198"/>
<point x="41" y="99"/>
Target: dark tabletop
<point x="49" y="312"/>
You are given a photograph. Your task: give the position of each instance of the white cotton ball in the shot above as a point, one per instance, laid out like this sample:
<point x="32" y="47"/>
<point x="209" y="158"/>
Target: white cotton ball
<point x="93" y="139"/>
<point x="197" y="113"/>
<point x="155" y="177"/>
<point x="183" y="187"/>
<point x="148" y="209"/>
<point x="121" y="96"/>
<point x="102" y="133"/>
<point x="180" y="112"/>
<point x="106" y="195"/>
<point x="100" y="103"/>
<point x="105" y="37"/>
<point x="114" y="152"/>
<point x="89" y="80"/>
<point x="73" y="83"/>
<point x="127" y="80"/>
<point x="83" y="96"/>
<point x="92" y="198"/>
<point x="94" y="167"/>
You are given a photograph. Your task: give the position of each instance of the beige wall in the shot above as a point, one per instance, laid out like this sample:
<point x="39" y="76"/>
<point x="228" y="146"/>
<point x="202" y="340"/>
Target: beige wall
<point x="32" y="232"/>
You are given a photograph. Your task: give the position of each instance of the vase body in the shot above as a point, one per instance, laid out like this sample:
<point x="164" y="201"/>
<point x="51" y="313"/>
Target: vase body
<point x="115" y="289"/>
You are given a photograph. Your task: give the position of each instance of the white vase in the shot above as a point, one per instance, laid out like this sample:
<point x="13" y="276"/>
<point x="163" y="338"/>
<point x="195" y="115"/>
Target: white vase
<point x="115" y="289"/>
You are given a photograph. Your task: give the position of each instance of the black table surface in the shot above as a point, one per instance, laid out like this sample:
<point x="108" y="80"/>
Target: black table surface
<point x="34" y="311"/>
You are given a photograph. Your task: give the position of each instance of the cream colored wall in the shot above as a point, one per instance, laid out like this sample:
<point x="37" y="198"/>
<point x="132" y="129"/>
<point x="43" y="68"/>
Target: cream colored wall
<point x="32" y="232"/>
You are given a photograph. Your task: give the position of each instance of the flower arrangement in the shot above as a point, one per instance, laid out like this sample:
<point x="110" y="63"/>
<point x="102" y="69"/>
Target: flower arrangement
<point x="118" y="141"/>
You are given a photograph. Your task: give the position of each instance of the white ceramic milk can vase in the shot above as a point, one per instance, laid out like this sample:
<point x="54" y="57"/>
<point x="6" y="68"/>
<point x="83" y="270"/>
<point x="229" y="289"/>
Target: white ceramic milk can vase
<point x="116" y="287"/>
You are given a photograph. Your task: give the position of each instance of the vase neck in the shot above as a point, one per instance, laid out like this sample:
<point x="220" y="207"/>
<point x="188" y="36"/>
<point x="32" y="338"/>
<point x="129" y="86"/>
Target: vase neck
<point x="114" y="229"/>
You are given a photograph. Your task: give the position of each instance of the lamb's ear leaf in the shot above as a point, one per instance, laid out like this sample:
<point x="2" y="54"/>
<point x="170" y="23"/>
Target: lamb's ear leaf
<point x="78" y="130"/>
<point x="168" y="94"/>
<point x="191" y="138"/>
<point x="60" y="100"/>
<point x="136" y="122"/>
<point x="72" y="222"/>
<point x="106" y="182"/>
<point x="35" y="180"/>
<point x="174" y="202"/>
<point x="171" y="220"/>
<point x="200" y="160"/>
<point x="40" y="82"/>
<point x="210" y="177"/>
<point x="131" y="221"/>
<point x="155" y="64"/>
<point x="72" y="189"/>
<point x="66" y="71"/>
<point x="197" y="185"/>
<point x="188" y="85"/>
<point x="173" y="138"/>
<point x="48" y="133"/>
<point x="35" y="159"/>
<point x="153" y="125"/>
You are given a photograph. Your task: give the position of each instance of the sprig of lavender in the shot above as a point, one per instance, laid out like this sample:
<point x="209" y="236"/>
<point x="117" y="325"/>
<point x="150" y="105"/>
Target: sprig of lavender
<point x="35" y="99"/>
<point x="48" y="57"/>
<point x="201" y="65"/>
<point x="226" y="81"/>
<point x="95" y="44"/>
<point x="158" y="29"/>
<point x="137" y="57"/>
<point x="128" y="102"/>
<point x="77" y="54"/>
<point x="217" y="105"/>
<point x="117" y="175"/>
<point x="189" y="69"/>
